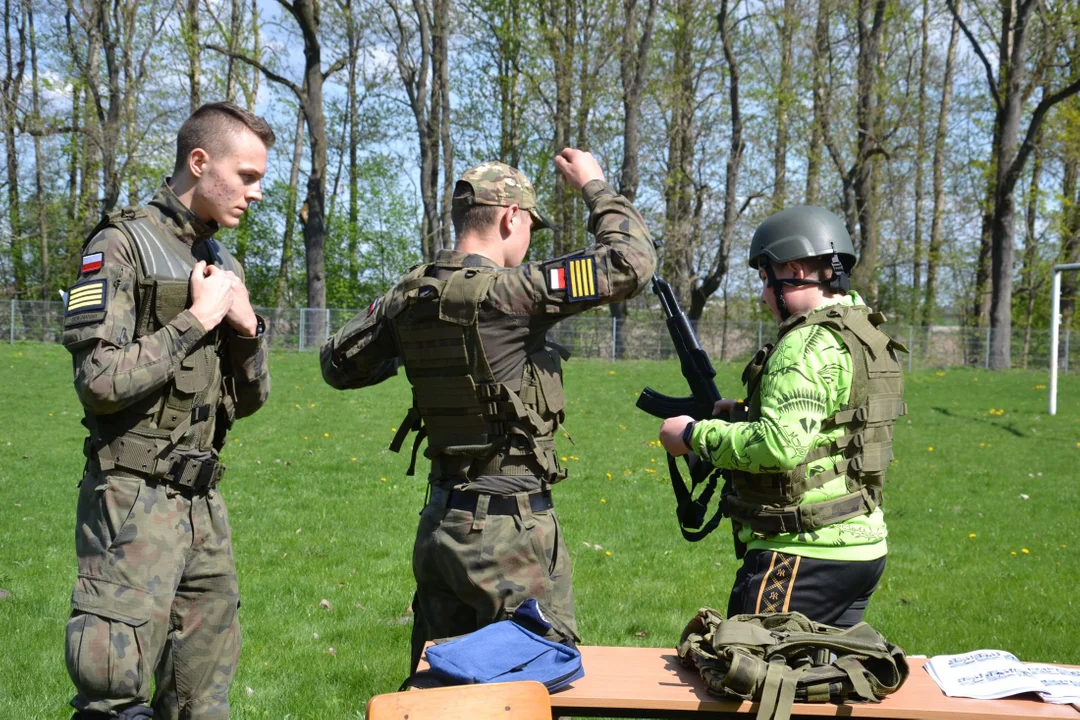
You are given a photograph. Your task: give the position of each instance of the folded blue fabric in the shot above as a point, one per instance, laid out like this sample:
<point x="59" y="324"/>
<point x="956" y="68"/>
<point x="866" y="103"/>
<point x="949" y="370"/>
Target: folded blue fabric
<point x="506" y="652"/>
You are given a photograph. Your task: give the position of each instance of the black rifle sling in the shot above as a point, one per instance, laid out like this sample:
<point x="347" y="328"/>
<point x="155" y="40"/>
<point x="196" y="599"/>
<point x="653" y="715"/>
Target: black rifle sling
<point x="691" y="511"/>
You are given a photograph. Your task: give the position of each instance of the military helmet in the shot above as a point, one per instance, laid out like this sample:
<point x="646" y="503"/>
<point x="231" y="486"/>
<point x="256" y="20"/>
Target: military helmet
<point x="799" y="232"/>
<point x="496" y="183"/>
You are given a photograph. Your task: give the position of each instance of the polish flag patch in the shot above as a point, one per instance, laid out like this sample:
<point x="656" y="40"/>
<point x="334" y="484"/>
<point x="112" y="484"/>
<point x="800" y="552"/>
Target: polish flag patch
<point x="557" y="278"/>
<point x="90" y="263"/>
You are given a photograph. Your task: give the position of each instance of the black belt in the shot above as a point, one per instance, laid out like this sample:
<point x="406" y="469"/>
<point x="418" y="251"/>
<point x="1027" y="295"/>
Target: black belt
<point x="497" y="504"/>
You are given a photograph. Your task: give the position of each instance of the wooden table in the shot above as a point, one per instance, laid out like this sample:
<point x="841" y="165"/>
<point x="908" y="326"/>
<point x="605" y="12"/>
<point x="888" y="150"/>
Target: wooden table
<point x="650" y="682"/>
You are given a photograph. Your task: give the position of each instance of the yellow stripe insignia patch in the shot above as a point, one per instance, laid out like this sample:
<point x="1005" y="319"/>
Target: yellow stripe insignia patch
<point x="581" y="279"/>
<point x="85" y="297"/>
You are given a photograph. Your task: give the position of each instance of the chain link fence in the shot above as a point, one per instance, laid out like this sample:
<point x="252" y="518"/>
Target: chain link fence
<point x="604" y="337"/>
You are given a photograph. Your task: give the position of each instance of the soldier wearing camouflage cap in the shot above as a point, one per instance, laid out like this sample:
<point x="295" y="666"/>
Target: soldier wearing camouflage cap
<point x="470" y="330"/>
<point x="167" y="353"/>
<point x="809" y="451"/>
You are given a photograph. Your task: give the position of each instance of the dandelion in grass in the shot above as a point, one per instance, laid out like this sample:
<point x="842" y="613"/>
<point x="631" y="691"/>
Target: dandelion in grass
<point x="354" y="459"/>
<point x="326" y="434"/>
<point x="297" y="406"/>
<point x="1039" y="387"/>
<point x="311" y="405"/>
<point x="940" y="373"/>
<point x="610" y="372"/>
<point x="603" y="500"/>
<point x="930" y="449"/>
<point x="563" y="458"/>
<point x="1013" y="553"/>
<point x="305" y="437"/>
<point x="608" y="475"/>
<point x="608" y="553"/>
<point x="393" y="429"/>
<point x="971" y="535"/>
<point x="382" y="479"/>
<point x="1025" y="551"/>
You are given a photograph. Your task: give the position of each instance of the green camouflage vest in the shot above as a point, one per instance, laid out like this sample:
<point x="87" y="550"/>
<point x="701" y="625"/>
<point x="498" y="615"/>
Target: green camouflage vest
<point x="769" y="502"/>
<point x="778" y="659"/>
<point x="474" y="425"/>
<point x="174" y="433"/>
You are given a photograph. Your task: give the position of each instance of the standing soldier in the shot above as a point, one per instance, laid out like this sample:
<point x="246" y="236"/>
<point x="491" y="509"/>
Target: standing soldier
<point x="167" y="352"/>
<point x="471" y="331"/>
<point x="809" y="461"/>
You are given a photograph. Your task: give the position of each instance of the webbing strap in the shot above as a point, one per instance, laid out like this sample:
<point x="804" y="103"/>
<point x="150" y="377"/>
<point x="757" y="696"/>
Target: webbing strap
<point x="770" y="692"/>
<point x="733" y="632"/>
<point x="875" y="411"/>
<point x="857" y="673"/>
<point x="788" y="685"/>
<point x="408" y="423"/>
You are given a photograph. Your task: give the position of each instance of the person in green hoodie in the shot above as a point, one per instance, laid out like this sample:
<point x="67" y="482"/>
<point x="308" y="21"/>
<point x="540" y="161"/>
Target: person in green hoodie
<point x="808" y="451"/>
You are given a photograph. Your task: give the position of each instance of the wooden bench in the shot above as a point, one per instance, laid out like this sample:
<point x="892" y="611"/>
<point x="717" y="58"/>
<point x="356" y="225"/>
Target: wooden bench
<point x="651" y="683"/>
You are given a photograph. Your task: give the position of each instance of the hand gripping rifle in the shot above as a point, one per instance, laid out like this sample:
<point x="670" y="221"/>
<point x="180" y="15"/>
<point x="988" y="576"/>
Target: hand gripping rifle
<point x="699" y="374"/>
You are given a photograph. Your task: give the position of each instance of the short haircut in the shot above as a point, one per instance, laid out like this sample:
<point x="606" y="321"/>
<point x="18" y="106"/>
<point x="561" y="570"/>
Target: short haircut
<point x="468" y="218"/>
<point x="211" y="126"/>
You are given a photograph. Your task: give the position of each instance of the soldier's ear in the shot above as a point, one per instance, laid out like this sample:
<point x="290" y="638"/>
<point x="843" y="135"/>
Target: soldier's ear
<point x="198" y="159"/>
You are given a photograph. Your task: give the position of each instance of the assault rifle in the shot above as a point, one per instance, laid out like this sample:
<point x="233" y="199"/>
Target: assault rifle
<point x="699" y="374"/>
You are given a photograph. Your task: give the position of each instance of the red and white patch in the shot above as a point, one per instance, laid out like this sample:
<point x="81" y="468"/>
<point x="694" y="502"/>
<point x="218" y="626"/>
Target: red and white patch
<point x="557" y="278"/>
<point x="90" y="263"/>
<point x="374" y="304"/>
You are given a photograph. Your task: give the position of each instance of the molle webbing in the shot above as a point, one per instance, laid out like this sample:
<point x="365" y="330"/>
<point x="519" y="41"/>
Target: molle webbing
<point x="771" y="502"/>
<point x="474" y="424"/>
<point x="782" y="658"/>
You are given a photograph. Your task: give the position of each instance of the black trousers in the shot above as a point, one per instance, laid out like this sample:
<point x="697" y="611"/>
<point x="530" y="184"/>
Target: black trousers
<point x="826" y="591"/>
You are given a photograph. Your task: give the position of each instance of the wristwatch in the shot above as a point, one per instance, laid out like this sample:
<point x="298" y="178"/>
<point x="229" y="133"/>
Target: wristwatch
<point x="687" y="432"/>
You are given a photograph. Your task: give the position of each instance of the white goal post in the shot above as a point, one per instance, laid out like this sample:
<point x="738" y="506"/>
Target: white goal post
<point x="1055" y="321"/>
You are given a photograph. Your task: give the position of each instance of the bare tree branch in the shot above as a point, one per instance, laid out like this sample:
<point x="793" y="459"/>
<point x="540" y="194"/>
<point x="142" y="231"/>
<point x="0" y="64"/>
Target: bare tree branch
<point x="270" y="74"/>
<point x="978" y="51"/>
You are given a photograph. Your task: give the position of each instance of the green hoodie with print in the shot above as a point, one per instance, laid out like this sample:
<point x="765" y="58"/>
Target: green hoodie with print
<point x="807" y="380"/>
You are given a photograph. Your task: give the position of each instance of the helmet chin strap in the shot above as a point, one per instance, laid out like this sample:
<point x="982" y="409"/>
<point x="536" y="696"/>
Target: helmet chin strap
<point x="839" y="283"/>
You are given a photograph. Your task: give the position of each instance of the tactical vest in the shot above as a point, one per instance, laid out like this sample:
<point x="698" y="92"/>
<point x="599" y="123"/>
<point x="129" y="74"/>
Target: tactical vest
<point x="474" y="424"/>
<point x="769" y="503"/>
<point x="174" y="433"/>
<point x="778" y="659"/>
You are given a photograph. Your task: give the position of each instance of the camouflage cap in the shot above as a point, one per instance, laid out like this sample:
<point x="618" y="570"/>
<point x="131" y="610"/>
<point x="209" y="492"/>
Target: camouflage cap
<point x="496" y="183"/>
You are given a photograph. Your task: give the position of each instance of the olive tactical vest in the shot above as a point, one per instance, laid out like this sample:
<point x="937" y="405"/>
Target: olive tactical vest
<point x="769" y="503"/>
<point x="474" y="425"/>
<point x="173" y="432"/>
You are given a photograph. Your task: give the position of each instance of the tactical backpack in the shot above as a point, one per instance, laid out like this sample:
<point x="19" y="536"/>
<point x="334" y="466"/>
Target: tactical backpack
<point x="782" y="658"/>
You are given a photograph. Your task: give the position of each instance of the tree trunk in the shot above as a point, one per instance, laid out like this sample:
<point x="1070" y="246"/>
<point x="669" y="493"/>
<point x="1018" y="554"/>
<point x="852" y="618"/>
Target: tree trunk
<point x="1070" y="234"/>
<point x="678" y="181"/>
<point x="712" y="280"/>
<point x="193" y="44"/>
<point x="633" y="71"/>
<point x="12" y="84"/>
<point x="821" y="105"/>
<point x="560" y="31"/>
<point x="920" y="161"/>
<point x="39" y="162"/>
<point x="281" y="292"/>
<point x="784" y="95"/>
<point x="937" y="227"/>
<point x="236" y="19"/>
<point x="354" y="141"/>
<point x="1029" y="271"/>
<point x="307" y="15"/>
<point x="440" y="78"/>
<point x="864" y="187"/>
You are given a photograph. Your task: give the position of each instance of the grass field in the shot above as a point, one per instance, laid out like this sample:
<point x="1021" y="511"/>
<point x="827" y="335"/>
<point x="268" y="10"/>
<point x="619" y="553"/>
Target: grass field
<point x="982" y="508"/>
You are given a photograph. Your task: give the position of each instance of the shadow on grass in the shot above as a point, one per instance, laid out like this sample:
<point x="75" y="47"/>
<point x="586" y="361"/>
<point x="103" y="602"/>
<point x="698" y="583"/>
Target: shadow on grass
<point x="1006" y="428"/>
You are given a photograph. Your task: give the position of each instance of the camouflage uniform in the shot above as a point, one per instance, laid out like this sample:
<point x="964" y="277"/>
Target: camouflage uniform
<point x="488" y="538"/>
<point x="156" y="593"/>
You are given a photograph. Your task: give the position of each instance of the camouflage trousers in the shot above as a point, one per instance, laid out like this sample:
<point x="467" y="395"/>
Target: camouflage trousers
<point x="475" y="568"/>
<point x="156" y="597"/>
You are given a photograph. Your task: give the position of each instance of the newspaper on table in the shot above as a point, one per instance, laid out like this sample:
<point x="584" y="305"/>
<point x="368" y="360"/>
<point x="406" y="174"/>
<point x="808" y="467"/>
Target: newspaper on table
<point x="992" y="674"/>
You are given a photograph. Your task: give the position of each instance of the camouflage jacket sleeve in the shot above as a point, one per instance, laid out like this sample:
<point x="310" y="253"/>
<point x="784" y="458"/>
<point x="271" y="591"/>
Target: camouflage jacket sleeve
<point x="248" y="366"/>
<point x="617" y="267"/>
<point x="807" y="380"/>
<point x="363" y="352"/>
<point x="113" y="370"/>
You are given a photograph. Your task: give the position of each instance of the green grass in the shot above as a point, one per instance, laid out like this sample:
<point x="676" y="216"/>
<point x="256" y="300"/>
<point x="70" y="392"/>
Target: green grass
<point x="321" y="509"/>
